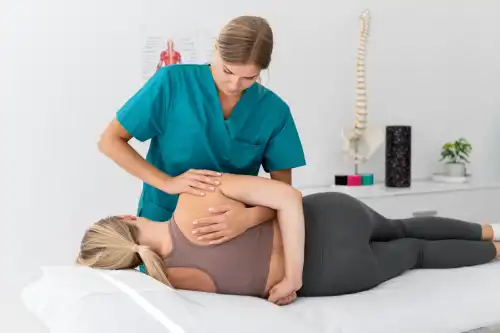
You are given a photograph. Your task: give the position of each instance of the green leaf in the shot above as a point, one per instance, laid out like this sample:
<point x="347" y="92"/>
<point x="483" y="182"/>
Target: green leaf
<point x="458" y="150"/>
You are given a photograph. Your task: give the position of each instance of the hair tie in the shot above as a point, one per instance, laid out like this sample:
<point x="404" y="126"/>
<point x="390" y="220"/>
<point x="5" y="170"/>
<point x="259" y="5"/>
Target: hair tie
<point x="135" y="248"/>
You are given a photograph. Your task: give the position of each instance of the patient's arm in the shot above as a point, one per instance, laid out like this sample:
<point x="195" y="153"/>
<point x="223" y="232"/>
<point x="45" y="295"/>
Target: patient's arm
<point x="287" y="201"/>
<point x="261" y="213"/>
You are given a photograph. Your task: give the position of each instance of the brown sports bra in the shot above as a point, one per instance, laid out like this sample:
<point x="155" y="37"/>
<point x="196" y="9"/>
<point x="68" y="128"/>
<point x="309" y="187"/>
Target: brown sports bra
<point x="238" y="267"/>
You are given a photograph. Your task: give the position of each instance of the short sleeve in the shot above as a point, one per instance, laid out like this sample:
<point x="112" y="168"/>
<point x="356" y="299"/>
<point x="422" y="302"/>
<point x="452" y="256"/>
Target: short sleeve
<point x="144" y="114"/>
<point x="284" y="150"/>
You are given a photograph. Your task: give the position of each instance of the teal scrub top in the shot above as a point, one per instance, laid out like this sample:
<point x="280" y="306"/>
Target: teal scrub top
<point x="178" y="109"/>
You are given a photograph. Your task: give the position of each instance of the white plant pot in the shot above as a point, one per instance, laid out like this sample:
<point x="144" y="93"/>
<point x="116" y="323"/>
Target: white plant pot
<point x="454" y="169"/>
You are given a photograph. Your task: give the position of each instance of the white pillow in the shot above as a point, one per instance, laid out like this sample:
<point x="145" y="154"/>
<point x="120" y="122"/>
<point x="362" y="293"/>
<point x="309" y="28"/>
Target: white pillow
<point x="83" y="300"/>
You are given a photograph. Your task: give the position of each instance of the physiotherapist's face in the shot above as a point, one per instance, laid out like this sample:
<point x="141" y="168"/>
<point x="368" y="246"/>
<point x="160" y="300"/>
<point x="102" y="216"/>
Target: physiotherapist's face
<point x="232" y="79"/>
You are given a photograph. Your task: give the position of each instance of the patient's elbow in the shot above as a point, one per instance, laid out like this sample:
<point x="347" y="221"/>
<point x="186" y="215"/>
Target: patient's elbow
<point x="297" y="193"/>
<point x="293" y="195"/>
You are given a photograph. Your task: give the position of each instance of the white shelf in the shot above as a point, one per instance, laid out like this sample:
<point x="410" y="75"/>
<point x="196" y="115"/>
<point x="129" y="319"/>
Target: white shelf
<point x="417" y="187"/>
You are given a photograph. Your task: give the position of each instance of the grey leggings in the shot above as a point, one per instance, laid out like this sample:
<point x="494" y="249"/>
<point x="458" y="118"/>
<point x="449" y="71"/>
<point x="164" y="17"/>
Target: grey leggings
<point x="351" y="248"/>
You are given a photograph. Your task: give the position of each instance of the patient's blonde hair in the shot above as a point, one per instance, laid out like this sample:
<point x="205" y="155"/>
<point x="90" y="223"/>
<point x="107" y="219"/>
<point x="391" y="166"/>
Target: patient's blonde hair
<point x="112" y="243"/>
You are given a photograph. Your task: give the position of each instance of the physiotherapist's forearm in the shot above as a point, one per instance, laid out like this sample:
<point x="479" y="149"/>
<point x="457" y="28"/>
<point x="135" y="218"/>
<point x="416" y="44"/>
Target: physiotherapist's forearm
<point x="131" y="161"/>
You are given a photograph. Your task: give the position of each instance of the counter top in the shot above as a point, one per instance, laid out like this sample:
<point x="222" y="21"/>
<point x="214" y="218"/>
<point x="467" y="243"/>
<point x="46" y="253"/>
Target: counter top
<point x="417" y="187"/>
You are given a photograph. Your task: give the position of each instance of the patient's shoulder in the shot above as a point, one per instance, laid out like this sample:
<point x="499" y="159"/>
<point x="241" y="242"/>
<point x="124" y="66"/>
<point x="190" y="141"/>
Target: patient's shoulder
<point x="166" y="246"/>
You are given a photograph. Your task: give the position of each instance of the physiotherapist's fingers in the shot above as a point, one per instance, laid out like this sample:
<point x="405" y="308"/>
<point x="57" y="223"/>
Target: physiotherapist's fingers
<point x="202" y="178"/>
<point x="206" y="172"/>
<point x="214" y="236"/>
<point x="219" y="241"/>
<point x="195" y="191"/>
<point x="219" y="209"/>
<point x="207" y="229"/>
<point x="209" y="220"/>
<point x="206" y="180"/>
<point x="201" y="186"/>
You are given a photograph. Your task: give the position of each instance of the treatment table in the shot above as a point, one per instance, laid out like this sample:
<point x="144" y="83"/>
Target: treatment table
<point x="83" y="300"/>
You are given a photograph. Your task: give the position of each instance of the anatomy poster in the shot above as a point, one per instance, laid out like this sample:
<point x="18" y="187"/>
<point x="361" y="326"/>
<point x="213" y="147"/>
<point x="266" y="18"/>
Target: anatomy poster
<point x="163" y="48"/>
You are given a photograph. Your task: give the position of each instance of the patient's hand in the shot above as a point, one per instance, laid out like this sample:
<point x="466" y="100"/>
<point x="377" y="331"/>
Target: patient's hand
<point x="287" y="300"/>
<point x="225" y="223"/>
<point x="283" y="293"/>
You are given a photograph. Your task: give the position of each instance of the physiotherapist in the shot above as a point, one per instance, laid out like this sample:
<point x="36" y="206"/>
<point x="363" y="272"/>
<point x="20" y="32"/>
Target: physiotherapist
<point x="203" y="119"/>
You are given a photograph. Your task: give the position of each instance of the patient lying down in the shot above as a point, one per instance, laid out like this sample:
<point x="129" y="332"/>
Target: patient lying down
<point x="323" y="244"/>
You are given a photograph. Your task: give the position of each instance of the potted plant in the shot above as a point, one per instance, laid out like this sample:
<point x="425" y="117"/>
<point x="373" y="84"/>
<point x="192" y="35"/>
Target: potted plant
<point x="456" y="155"/>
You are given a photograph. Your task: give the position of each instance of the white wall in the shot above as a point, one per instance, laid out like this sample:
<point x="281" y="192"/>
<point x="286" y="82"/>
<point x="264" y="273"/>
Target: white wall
<point x="66" y="66"/>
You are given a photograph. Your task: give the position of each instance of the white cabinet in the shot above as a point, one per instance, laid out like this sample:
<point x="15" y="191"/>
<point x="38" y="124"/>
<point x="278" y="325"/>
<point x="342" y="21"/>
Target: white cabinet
<point x="474" y="202"/>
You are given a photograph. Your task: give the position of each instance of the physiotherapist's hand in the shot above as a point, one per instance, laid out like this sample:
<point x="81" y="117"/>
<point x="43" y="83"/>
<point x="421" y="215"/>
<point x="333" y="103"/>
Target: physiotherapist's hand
<point x="226" y="222"/>
<point x="193" y="181"/>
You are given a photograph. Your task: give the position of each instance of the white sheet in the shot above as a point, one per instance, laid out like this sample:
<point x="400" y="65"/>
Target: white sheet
<point x="72" y="299"/>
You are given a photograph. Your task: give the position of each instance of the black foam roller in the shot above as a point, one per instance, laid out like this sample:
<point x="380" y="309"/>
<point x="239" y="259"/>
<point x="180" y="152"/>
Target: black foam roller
<point x="398" y="156"/>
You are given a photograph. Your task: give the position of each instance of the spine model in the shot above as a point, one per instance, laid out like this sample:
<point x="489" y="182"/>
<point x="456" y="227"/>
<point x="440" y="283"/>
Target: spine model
<point x="361" y="141"/>
<point x="361" y="110"/>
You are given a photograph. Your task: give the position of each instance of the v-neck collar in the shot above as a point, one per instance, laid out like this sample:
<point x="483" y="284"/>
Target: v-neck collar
<point x="218" y="106"/>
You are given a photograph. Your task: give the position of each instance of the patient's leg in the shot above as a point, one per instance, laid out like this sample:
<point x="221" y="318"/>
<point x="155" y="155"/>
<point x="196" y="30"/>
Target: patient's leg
<point x="342" y="269"/>
<point x="428" y="228"/>
<point x="441" y="228"/>
<point x="368" y="221"/>
<point x="353" y="219"/>
<point x="396" y="257"/>
<point x="382" y="228"/>
<point x="341" y="256"/>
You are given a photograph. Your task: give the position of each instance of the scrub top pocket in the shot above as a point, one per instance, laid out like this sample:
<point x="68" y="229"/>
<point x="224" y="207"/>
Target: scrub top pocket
<point x="245" y="155"/>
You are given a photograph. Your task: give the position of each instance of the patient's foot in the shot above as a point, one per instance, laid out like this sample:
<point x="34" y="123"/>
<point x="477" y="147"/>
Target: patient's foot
<point x="487" y="232"/>
<point x="497" y="246"/>
<point x="490" y="232"/>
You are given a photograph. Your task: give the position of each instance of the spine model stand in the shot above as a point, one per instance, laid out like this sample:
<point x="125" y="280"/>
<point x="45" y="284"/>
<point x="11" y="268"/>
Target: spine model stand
<point x="360" y="141"/>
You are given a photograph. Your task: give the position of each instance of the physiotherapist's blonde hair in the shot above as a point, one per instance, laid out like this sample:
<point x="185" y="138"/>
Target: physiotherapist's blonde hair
<point x="245" y="40"/>
<point x="112" y="243"/>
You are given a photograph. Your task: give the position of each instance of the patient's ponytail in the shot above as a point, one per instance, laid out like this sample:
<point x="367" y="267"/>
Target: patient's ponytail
<point x="154" y="264"/>
<point x="111" y="243"/>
